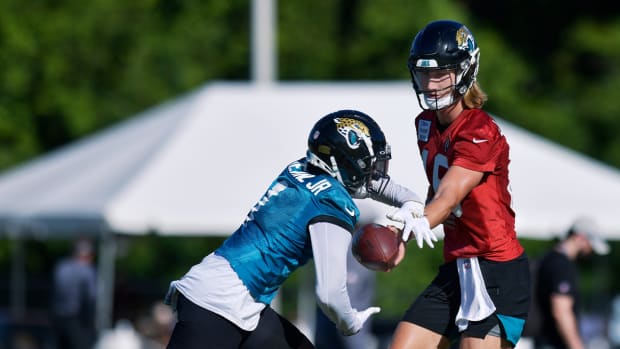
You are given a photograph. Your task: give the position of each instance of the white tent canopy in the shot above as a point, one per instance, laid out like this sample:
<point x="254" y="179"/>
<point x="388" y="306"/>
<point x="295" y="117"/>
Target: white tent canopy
<point x="197" y="164"/>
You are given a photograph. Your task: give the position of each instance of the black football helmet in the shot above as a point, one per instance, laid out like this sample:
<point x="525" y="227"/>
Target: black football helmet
<point x="350" y="146"/>
<point x="443" y="45"/>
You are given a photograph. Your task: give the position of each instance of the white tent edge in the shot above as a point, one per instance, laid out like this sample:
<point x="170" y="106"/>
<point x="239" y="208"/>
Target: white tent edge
<point x="165" y="133"/>
<point x="98" y="197"/>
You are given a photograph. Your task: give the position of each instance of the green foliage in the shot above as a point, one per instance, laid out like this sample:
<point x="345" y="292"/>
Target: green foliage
<point x="398" y="288"/>
<point x="536" y="248"/>
<point x="351" y="40"/>
<point x="162" y="258"/>
<point x="68" y="69"/>
<point x="588" y="73"/>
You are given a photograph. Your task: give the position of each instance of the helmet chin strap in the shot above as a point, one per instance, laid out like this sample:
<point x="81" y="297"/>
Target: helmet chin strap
<point x="335" y="170"/>
<point x="360" y="193"/>
<point x="316" y="161"/>
<point x="332" y="170"/>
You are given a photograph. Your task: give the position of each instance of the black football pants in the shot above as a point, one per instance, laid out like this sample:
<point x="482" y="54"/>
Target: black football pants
<point x="198" y="328"/>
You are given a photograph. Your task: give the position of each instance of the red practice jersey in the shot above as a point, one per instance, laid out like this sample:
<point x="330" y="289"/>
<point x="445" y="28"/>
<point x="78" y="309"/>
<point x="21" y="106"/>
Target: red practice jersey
<point x="483" y="223"/>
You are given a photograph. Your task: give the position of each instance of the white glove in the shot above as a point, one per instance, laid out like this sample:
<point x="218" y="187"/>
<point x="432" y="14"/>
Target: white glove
<point x="411" y="214"/>
<point x="422" y="231"/>
<point x="405" y="215"/>
<point x="360" y="319"/>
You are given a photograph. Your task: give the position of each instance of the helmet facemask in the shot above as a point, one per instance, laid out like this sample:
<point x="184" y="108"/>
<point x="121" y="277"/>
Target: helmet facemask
<point x="462" y="77"/>
<point x="378" y="170"/>
<point x="382" y="164"/>
<point x="353" y="173"/>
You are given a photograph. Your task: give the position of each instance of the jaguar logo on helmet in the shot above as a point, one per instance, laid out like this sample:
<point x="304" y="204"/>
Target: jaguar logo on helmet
<point x="354" y="131"/>
<point x="465" y="40"/>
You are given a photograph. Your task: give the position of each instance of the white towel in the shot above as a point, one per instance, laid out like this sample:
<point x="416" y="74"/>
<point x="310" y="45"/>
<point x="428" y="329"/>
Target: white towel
<point x="475" y="301"/>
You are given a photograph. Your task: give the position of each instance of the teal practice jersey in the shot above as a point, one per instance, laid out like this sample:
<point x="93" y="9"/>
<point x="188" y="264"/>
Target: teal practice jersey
<point x="274" y="240"/>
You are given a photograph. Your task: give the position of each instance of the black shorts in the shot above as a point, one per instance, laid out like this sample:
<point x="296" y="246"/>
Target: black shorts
<point x="508" y="285"/>
<point x="198" y="328"/>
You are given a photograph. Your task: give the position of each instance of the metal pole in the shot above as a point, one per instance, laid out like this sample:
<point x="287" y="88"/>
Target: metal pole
<point x="18" y="278"/>
<point x="263" y="37"/>
<point x="105" y="280"/>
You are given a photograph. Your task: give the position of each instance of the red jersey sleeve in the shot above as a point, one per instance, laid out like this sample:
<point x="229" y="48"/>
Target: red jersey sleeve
<point x="477" y="143"/>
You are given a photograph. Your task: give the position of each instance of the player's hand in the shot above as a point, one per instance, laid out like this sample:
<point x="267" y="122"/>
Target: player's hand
<point x="422" y="231"/>
<point x="360" y="319"/>
<point x="405" y="214"/>
<point x="409" y="208"/>
<point x="401" y="250"/>
<point x="411" y="214"/>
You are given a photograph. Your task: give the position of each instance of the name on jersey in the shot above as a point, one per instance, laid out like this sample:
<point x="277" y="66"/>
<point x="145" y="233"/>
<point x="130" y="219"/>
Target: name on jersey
<point x="302" y="176"/>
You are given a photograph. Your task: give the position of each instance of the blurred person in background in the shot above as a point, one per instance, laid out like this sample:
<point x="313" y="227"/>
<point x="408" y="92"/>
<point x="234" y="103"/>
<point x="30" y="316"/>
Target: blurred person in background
<point x="73" y="298"/>
<point x="122" y="336"/>
<point x="156" y="326"/>
<point x="557" y="285"/>
<point x="613" y="329"/>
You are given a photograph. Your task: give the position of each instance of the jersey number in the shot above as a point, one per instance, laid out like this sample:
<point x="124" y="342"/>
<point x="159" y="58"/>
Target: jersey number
<point x="440" y="162"/>
<point x="273" y="191"/>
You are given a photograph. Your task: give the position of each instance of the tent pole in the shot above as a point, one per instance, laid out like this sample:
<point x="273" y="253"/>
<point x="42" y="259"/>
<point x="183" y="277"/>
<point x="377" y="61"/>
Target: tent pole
<point x="264" y="55"/>
<point x="105" y="280"/>
<point x="18" y="280"/>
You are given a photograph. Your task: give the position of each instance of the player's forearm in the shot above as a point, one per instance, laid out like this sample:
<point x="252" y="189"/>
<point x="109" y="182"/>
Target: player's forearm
<point x="438" y="210"/>
<point x="329" y="245"/>
<point x="565" y="320"/>
<point x="453" y="188"/>
<point x="391" y="193"/>
<point x="331" y="280"/>
<point x="569" y="331"/>
<point x="336" y="305"/>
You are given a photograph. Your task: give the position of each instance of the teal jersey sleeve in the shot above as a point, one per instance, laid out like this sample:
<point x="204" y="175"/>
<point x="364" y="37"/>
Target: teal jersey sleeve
<point x="273" y="241"/>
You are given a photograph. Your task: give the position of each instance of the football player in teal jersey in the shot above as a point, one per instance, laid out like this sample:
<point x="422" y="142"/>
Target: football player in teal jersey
<point x="306" y="213"/>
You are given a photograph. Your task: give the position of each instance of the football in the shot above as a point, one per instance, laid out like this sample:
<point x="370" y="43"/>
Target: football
<point x="376" y="247"/>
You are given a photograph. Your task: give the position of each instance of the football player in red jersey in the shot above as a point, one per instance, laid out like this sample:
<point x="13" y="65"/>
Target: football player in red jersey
<point x="480" y="295"/>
